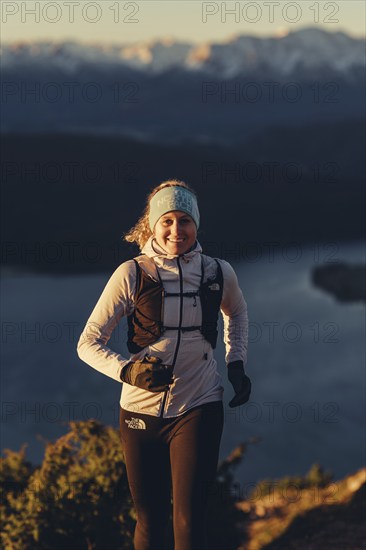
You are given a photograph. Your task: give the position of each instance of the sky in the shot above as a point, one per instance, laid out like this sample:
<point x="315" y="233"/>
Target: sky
<point x="194" y="21"/>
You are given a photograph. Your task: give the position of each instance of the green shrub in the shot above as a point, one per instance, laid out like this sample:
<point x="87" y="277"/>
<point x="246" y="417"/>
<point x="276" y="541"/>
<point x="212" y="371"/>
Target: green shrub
<point x="77" y="498"/>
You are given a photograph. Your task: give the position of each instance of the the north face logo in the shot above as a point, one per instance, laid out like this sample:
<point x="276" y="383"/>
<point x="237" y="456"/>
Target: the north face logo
<point x="214" y="286"/>
<point x="136" y="424"/>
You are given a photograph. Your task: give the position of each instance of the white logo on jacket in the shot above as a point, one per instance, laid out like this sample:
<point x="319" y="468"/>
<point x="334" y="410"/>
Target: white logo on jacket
<point x="136" y="424"/>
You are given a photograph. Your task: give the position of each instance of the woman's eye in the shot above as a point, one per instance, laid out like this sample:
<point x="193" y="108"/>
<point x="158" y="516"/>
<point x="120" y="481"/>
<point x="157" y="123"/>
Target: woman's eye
<point x="170" y="221"/>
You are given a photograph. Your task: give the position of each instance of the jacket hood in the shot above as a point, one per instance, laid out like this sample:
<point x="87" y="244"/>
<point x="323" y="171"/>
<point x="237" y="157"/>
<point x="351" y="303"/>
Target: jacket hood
<point x="152" y="249"/>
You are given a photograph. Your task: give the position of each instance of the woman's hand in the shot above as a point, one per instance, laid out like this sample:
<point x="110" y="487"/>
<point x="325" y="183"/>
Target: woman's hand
<point x="148" y="373"/>
<point x="240" y="382"/>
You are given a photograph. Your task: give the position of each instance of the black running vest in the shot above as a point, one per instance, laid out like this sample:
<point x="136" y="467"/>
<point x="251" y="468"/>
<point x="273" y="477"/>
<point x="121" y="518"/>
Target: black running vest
<point x="145" y="324"/>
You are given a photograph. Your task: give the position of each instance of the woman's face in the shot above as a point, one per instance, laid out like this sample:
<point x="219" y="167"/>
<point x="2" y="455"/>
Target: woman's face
<point x="175" y="232"/>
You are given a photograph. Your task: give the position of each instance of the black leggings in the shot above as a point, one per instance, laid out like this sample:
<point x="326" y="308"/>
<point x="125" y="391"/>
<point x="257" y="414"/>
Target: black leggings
<point x="181" y="454"/>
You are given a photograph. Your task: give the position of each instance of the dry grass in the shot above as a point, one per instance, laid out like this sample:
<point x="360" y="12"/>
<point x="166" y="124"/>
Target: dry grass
<point x="311" y="518"/>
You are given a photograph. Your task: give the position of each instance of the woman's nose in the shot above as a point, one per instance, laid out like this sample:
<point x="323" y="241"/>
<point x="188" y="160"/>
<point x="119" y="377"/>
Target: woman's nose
<point x="175" y="227"/>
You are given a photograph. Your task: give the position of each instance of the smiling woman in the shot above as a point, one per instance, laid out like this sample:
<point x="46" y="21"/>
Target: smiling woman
<point x="171" y="410"/>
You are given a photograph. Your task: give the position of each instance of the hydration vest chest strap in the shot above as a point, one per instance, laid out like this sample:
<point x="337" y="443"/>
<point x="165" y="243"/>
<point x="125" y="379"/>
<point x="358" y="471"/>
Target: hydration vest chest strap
<point x="145" y="324"/>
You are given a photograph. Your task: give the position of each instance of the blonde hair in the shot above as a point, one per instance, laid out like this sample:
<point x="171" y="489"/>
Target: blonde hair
<point x="141" y="232"/>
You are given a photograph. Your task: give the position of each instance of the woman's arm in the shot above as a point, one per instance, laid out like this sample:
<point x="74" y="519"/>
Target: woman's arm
<point x="234" y="312"/>
<point x="115" y="302"/>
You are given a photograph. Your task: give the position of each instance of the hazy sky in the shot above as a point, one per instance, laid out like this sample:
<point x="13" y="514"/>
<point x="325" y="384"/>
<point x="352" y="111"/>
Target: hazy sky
<point x="186" y="20"/>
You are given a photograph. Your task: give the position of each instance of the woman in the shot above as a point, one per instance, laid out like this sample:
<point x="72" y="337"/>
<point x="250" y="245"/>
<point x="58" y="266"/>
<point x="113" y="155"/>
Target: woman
<point x="171" y="410"/>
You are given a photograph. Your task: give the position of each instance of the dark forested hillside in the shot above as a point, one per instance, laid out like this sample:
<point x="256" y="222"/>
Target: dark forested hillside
<point x="67" y="199"/>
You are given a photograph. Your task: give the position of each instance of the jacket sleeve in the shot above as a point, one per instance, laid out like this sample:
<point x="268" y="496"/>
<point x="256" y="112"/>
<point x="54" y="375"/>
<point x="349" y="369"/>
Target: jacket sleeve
<point x="115" y="302"/>
<point x="235" y="316"/>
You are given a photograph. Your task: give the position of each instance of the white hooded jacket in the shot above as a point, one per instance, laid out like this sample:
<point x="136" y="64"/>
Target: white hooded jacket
<point x="196" y="379"/>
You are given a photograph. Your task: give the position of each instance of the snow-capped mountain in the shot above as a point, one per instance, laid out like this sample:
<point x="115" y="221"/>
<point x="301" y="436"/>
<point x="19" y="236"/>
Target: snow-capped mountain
<point x="307" y="49"/>
<point x="70" y="56"/>
<point x="169" y="91"/>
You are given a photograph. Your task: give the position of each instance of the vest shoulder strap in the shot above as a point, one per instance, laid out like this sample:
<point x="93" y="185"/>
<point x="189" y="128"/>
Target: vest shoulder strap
<point x="148" y="265"/>
<point x="212" y="268"/>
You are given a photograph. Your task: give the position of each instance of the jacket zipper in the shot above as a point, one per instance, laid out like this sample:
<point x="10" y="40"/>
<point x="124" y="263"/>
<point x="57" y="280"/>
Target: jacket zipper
<point x="179" y="331"/>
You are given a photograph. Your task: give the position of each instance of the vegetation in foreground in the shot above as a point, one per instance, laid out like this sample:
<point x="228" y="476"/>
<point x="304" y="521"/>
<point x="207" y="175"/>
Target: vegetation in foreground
<point x="78" y="498"/>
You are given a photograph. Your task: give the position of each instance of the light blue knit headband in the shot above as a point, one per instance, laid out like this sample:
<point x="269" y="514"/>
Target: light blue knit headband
<point x="173" y="198"/>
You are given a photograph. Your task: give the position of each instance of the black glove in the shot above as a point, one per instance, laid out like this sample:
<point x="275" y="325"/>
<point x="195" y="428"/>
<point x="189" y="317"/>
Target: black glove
<point x="148" y="373"/>
<point x="240" y="382"/>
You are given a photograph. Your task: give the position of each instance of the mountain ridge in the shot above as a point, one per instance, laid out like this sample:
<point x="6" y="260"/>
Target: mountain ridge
<point x="310" y="47"/>
<point x="171" y="92"/>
